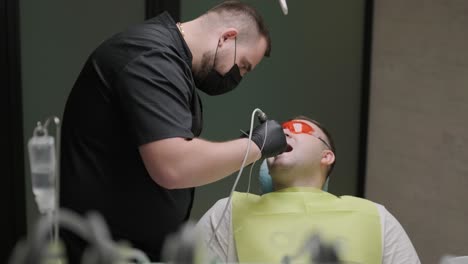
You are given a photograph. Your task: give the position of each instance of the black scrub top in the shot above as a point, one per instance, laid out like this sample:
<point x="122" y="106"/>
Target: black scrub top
<point x="136" y="87"/>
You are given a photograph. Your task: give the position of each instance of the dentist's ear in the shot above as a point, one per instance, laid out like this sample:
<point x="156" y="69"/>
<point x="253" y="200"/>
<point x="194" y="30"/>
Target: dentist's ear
<point x="328" y="157"/>
<point x="229" y="33"/>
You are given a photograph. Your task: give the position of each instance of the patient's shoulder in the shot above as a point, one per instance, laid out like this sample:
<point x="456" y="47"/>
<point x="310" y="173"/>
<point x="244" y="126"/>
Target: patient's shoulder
<point x="221" y="202"/>
<point x="217" y="209"/>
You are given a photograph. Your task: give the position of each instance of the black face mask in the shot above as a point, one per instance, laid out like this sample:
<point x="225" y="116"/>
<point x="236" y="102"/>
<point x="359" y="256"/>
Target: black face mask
<point x="215" y="84"/>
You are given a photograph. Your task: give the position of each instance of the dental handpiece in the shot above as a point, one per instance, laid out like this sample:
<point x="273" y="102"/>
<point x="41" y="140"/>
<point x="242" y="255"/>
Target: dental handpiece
<point x="262" y="117"/>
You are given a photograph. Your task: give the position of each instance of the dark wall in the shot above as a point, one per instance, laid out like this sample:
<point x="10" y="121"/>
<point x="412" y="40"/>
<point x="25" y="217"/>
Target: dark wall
<point x="12" y="193"/>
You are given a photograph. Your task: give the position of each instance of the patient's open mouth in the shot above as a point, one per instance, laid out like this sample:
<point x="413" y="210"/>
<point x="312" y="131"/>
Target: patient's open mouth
<point x="288" y="148"/>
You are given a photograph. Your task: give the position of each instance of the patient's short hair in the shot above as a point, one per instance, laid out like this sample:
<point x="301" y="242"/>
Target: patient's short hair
<point x="328" y="139"/>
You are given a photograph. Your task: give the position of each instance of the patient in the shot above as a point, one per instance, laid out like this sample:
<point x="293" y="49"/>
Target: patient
<point x="266" y="228"/>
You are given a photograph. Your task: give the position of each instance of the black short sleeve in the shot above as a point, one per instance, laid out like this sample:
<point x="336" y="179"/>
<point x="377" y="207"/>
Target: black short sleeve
<point x="155" y="91"/>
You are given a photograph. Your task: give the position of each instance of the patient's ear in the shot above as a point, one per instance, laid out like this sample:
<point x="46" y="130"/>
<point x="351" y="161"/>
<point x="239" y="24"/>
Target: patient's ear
<point x="328" y="157"/>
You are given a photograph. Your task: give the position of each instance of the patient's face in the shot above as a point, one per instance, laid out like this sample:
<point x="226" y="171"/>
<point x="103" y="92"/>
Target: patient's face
<point x="304" y="150"/>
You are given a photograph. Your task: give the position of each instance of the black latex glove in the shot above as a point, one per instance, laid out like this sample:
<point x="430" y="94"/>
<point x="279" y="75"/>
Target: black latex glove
<point x="275" y="143"/>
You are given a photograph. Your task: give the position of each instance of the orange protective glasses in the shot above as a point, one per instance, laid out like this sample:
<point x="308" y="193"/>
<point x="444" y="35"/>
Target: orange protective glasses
<point x="299" y="127"/>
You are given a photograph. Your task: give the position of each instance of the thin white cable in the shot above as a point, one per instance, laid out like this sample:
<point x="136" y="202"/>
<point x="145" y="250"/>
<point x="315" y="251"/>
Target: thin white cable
<point x="250" y="177"/>
<point x="57" y="181"/>
<point x="238" y="174"/>
<point x="55" y="210"/>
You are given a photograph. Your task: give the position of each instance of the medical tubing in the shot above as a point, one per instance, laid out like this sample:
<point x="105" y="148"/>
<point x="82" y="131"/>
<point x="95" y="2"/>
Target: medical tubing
<point x="38" y="238"/>
<point x="57" y="176"/>
<point x="135" y="255"/>
<point x="240" y="172"/>
<point x="92" y="229"/>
